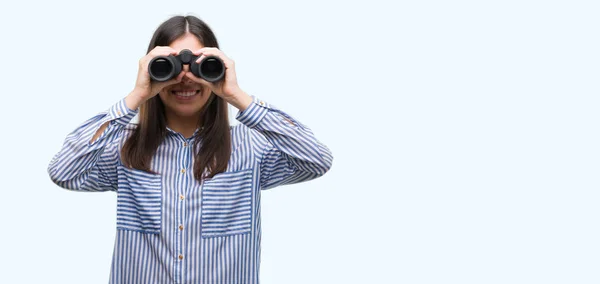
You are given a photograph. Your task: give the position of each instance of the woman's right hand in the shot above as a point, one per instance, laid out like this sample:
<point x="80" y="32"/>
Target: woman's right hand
<point x="145" y="88"/>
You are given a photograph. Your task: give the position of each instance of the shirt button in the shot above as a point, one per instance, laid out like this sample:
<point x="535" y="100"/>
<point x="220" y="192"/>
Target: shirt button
<point x="119" y="112"/>
<point x="181" y="227"/>
<point x="183" y="171"/>
<point x="185" y="144"/>
<point x="181" y="196"/>
<point x="262" y="103"/>
<point x="181" y="256"/>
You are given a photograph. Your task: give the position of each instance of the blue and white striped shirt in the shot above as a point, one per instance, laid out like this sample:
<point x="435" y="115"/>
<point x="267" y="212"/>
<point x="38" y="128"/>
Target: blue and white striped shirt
<point x="172" y="228"/>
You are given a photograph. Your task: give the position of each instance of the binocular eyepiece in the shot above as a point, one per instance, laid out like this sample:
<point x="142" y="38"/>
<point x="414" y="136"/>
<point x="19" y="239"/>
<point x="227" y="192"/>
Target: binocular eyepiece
<point x="164" y="68"/>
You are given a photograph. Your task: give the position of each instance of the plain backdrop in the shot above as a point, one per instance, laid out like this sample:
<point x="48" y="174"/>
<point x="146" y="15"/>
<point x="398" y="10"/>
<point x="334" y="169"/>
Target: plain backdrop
<point x="464" y="134"/>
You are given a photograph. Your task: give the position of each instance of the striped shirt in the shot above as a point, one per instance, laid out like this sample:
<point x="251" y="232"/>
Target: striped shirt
<point x="172" y="228"/>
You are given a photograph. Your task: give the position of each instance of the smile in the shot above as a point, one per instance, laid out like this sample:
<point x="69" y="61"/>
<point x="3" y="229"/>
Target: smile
<point x="185" y="94"/>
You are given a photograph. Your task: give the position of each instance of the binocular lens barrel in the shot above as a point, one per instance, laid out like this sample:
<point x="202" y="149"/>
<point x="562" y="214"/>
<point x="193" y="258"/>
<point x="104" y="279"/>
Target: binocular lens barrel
<point x="211" y="68"/>
<point x="164" y="68"/>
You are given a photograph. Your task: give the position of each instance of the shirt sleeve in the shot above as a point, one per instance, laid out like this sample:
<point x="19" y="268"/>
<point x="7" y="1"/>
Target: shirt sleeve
<point x="84" y="166"/>
<point x="289" y="152"/>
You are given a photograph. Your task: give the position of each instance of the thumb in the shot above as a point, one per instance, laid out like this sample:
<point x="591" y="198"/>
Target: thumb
<point x="173" y="81"/>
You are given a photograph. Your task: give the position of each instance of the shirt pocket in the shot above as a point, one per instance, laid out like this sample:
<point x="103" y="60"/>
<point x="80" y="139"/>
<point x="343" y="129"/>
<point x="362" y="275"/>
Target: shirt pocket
<point x="139" y="201"/>
<point x="227" y="204"/>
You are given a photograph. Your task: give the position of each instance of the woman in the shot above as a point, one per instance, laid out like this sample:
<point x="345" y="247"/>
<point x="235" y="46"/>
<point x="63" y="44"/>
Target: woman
<point x="188" y="184"/>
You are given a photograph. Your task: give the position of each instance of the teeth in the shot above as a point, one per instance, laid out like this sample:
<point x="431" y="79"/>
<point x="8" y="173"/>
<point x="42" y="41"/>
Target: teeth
<point x="185" y="93"/>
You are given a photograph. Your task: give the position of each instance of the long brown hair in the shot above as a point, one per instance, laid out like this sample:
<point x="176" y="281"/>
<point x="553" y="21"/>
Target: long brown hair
<point x="215" y="149"/>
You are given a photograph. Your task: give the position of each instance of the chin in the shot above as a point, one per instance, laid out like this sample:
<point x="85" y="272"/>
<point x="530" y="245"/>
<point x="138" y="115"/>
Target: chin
<point x="187" y="110"/>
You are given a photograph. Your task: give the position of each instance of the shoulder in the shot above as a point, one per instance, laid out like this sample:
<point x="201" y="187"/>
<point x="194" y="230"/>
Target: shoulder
<point x="241" y="132"/>
<point x="244" y="138"/>
<point x="131" y="126"/>
<point x="129" y="129"/>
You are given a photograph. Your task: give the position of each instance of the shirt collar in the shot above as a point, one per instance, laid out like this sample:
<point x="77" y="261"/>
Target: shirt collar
<point x="193" y="135"/>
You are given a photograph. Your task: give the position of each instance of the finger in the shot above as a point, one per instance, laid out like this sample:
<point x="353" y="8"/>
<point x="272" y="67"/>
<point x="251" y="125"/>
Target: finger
<point x="158" y="51"/>
<point x="226" y="60"/>
<point x="180" y="76"/>
<point x="173" y="81"/>
<point x="229" y="64"/>
<point x="209" y="51"/>
<point x="200" y="58"/>
<point x="201" y="50"/>
<point x="163" y="50"/>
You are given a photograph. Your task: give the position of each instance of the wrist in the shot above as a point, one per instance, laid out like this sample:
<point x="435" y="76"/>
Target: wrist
<point x="134" y="100"/>
<point x="241" y="100"/>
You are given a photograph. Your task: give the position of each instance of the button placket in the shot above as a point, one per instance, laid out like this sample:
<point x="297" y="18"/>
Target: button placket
<point x="184" y="182"/>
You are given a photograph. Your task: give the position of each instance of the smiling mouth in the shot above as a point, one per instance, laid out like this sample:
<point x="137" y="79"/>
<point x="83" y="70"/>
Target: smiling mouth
<point x="185" y="93"/>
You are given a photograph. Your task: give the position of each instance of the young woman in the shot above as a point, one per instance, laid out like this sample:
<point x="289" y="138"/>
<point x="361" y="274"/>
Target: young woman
<point x="188" y="184"/>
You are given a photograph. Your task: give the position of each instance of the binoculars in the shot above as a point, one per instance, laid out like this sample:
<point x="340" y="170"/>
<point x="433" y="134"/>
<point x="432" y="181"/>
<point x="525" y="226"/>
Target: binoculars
<point x="164" y="68"/>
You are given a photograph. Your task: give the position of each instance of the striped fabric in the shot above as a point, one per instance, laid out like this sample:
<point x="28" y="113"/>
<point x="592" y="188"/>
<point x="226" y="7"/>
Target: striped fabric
<point x="172" y="228"/>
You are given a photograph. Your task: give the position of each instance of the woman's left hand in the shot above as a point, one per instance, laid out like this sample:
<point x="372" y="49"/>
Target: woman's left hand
<point x="227" y="88"/>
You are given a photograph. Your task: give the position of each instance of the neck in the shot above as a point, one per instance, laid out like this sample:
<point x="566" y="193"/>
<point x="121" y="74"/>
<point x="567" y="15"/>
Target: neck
<point x="186" y="125"/>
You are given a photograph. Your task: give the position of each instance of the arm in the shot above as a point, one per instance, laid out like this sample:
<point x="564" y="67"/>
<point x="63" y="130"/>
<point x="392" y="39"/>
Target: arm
<point x="89" y="156"/>
<point x="289" y="153"/>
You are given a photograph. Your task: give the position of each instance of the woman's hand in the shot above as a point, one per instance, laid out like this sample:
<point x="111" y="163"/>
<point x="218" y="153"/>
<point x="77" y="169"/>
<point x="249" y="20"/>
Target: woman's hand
<point x="226" y="88"/>
<point x="145" y="88"/>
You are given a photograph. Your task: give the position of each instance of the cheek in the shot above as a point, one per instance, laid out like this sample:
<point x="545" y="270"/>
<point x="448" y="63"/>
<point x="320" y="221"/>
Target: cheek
<point x="163" y="93"/>
<point x="164" y="96"/>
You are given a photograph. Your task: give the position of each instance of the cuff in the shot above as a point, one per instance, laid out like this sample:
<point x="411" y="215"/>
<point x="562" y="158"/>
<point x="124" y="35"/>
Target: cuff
<point x="255" y="112"/>
<point x="120" y="113"/>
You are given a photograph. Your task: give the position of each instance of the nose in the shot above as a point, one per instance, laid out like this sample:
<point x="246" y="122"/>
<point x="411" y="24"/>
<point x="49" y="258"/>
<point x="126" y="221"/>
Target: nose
<point x="187" y="80"/>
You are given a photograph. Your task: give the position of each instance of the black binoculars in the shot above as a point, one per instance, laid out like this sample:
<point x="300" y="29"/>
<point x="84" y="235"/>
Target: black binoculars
<point x="164" y="68"/>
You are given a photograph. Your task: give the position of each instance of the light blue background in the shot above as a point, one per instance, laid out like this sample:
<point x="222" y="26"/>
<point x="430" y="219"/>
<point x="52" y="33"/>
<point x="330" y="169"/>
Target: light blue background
<point x="464" y="133"/>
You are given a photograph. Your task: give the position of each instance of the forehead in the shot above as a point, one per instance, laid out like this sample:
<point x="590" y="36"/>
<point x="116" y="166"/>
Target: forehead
<point x="187" y="41"/>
